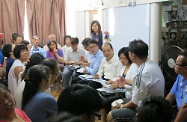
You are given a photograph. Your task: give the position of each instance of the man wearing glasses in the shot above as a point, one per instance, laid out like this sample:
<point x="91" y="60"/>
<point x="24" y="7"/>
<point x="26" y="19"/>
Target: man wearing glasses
<point x="179" y="90"/>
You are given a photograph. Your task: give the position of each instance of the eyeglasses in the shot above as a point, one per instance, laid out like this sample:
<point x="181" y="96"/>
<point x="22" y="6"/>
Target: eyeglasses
<point x="182" y="65"/>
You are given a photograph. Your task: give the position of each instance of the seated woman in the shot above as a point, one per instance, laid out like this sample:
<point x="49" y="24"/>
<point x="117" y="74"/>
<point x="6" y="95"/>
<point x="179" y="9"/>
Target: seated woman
<point x="127" y="72"/>
<point x="80" y="100"/>
<point x="54" y="52"/>
<point x="36" y="103"/>
<point x="35" y="59"/>
<point x="8" y="112"/>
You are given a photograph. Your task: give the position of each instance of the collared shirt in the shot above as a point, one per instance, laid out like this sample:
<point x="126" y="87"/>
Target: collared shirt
<point x="149" y="81"/>
<point x="95" y="63"/>
<point x="64" y="48"/>
<point x="71" y="55"/>
<point x="38" y="50"/>
<point x="110" y="68"/>
<point x="89" y="56"/>
<point x="179" y="90"/>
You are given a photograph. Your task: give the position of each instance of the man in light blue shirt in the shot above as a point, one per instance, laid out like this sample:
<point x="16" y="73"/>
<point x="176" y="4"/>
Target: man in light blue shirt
<point x="179" y="90"/>
<point x="35" y="47"/>
<point x="96" y="59"/>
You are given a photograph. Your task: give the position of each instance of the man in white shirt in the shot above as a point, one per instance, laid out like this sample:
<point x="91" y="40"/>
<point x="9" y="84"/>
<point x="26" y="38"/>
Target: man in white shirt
<point x="67" y="43"/>
<point x="149" y="81"/>
<point x="72" y="57"/>
<point x="50" y="38"/>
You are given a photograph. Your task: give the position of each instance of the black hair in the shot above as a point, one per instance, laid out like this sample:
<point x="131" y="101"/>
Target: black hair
<point x="125" y="52"/>
<point x="35" y="36"/>
<point x="35" y="75"/>
<point x="4" y="87"/>
<point x="25" y="42"/>
<point x="64" y="117"/>
<point x="15" y="36"/>
<point x="79" y="99"/>
<point x="49" y="43"/>
<point x="66" y="36"/>
<point x="155" y="109"/>
<point x="36" y="58"/>
<point x="107" y="43"/>
<point x="93" y="42"/>
<point x="139" y="48"/>
<point x="74" y="41"/>
<point x="184" y="54"/>
<point x="98" y="24"/>
<point x="51" y="63"/>
<point x="7" y="48"/>
<point x="18" y="48"/>
<point x="86" y="41"/>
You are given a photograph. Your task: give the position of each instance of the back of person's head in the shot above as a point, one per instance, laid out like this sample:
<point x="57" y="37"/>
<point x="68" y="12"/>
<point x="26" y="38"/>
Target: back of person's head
<point x="51" y="63"/>
<point x="15" y="36"/>
<point x="25" y="42"/>
<point x="79" y="99"/>
<point x="125" y="52"/>
<point x="36" y="58"/>
<point x="86" y="41"/>
<point x="18" y="48"/>
<point x="35" y="76"/>
<point x="66" y="36"/>
<point x="184" y="54"/>
<point x="98" y="24"/>
<point x="64" y="117"/>
<point x="74" y="41"/>
<point x="139" y="48"/>
<point x="49" y="43"/>
<point x="155" y="109"/>
<point x="7" y="49"/>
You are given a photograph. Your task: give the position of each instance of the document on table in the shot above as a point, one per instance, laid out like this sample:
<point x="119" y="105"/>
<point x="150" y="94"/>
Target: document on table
<point x="86" y="77"/>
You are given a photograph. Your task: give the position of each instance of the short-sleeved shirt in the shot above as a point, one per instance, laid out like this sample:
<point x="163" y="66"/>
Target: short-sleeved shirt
<point x="38" y="50"/>
<point x="149" y="81"/>
<point x="179" y="89"/>
<point x="71" y="55"/>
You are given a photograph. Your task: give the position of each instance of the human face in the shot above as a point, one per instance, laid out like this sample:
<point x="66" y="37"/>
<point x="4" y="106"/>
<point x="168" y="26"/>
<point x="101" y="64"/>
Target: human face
<point x="179" y="69"/>
<point x="107" y="52"/>
<point x="74" y="47"/>
<point x="68" y="42"/>
<point x="36" y="41"/>
<point x="18" y="40"/>
<point x="95" y="28"/>
<point x="24" y="55"/>
<point x="52" y="46"/>
<point x="6" y="102"/>
<point x="123" y="59"/>
<point x="52" y="37"/>
<point x="93" y="48"/>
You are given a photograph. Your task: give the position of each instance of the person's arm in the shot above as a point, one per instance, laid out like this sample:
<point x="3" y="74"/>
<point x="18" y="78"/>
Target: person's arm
<point x="66" y="57"/>
<point x="181" y="116"/>
<point x="17" y="70"/>
<point x="129" y="104"/>
<point x="59" y="55"/>
<point x="170" y="97"/>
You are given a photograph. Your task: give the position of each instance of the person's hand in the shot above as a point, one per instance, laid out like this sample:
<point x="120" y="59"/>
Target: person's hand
<point x="76" y="63"/>
<point x="118" y="105"/>
<point x="82" y="58"/>
<point x="109" y="82"/>
<point x="29" y="46"/>
<point x="114" y="86"/>
<point x="96" y="76"/>
<point x="55" y="51"/>
<point x="85" y="71"/>
<point x="121" y="81"/>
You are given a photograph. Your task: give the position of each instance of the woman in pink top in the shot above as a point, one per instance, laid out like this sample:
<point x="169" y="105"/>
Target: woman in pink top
<point x="8" y="112"/>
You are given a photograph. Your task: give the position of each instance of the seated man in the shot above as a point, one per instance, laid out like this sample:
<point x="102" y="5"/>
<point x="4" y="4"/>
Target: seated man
<point x="179" y="90"/>
<point x="50" y="38"/>
<point x="108" y="67"/>
<point x="72" y="56"/>
<point x="147" y="82"/>
<point x="35" y="47"/>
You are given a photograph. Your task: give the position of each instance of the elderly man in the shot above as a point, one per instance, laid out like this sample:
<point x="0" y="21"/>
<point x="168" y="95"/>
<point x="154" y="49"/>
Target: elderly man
<point x="179" y="90"/>
<point x="148" y="81"/>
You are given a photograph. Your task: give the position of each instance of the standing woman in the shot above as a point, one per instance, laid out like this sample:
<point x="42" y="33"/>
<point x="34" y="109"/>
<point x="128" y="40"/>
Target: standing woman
<point x="54" y="52"/>
<point x="97" y="33"/>
<point x="37" y="104"/>
<point x="8" y="112"/>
